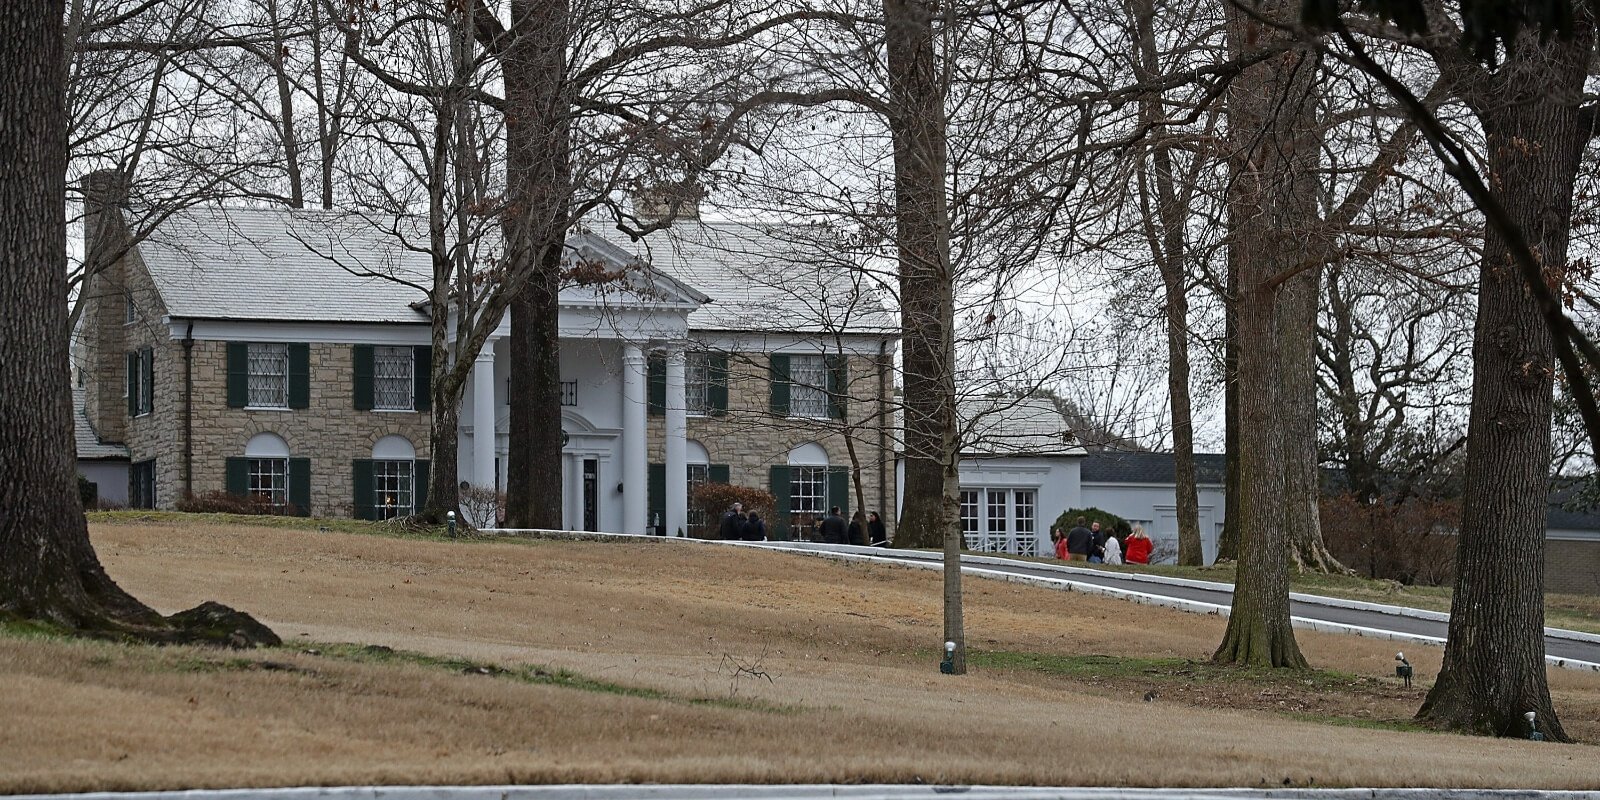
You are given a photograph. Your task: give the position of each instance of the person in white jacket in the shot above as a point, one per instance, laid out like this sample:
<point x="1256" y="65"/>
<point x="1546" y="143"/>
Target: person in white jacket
<point x="1113" y="550"/>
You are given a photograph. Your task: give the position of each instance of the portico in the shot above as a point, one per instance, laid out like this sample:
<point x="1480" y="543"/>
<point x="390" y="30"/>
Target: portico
<point x="607" y="337"/>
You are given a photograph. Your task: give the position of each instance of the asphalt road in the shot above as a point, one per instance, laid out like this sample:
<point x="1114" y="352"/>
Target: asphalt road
<point x="1556" y="643"/>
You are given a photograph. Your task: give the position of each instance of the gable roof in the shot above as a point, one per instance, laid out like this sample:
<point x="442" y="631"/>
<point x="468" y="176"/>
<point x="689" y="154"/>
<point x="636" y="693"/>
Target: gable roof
<point x="89" y="446"/>
<point x="770" y="278"/>
<point x="1116" y="466"/>
<point x="1015" y="427"/>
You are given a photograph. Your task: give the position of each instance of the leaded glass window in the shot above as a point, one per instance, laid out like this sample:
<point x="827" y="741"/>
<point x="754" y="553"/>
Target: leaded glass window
<point x="808" y="390"/>
<point x="393" y="378"/>
<point x="697" y="384"/>
<point x="269" y="375"/>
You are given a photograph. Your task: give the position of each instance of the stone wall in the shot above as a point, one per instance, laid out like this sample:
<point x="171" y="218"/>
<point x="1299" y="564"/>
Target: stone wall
<point x="750" y="439"/>
<point x="1572" y="567"/>
<point x="331" y="432"/>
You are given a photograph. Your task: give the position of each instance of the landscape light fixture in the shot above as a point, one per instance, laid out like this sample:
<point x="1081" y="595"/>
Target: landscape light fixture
<point x="1533" y="726"/>
<point x="451" y="517"/>
<point x="948" y="665"/>
<point x="1403" y="670"/>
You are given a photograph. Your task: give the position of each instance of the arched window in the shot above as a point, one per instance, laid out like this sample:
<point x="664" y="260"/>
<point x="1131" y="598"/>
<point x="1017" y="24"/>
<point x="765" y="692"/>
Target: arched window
<point x="267" y="469"/>
<point x="394" y="463"/>
<point x="699" y="463"/>
<point x="808" y="482"/>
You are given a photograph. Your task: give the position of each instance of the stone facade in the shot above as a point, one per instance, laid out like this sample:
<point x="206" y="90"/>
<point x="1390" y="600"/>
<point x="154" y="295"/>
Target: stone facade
<point x="331" y="432"/>
<point x="750" y="439"/>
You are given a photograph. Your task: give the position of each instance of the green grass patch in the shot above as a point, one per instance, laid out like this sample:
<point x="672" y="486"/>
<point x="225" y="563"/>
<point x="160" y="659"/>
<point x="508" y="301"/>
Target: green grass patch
<point x="16" y="627"/>
<point x="1163" y="670"/>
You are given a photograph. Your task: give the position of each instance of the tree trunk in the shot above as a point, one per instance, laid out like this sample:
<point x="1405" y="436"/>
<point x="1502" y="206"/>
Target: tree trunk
<point x="1228" y="541"/>
<point x="1494" y="668"/>
<point x="1297" y="329"/>
<point x="930" y="513"/>
<point x="48" y="569"/>
<point x="1272" y="194"/>
<point x="286" y="132"/>
<point x="539" y="189"/>
<point x="1167" y="231"/>
<point x="444" y="489"/>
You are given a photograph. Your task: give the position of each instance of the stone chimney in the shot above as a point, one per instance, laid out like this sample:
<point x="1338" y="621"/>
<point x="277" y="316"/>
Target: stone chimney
<point x="655" y="203"/>
<point x="102" y="328"/>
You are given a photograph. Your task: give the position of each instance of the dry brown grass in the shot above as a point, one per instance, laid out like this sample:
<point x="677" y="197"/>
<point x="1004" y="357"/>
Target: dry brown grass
<point x="854" y="695"/>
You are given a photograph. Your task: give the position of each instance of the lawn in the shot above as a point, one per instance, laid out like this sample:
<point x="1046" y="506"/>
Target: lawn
<point x="416" y="659"/>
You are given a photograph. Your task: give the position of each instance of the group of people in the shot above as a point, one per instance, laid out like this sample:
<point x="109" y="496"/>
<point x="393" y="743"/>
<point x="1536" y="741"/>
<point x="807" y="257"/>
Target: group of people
<point x="863" y="528"/>
<point x="1098" y="546"/>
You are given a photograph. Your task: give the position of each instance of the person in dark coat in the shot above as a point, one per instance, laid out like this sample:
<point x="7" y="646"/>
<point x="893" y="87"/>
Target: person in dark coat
<point x="1080" y="542"/>
<point x="754" y="530"/>
<point x="1097" y="544"/>
<point x="832" y="530"/>
<point x="732" y="523"/>
<point x="877" y="532"/>
<point x="858" y="529"/>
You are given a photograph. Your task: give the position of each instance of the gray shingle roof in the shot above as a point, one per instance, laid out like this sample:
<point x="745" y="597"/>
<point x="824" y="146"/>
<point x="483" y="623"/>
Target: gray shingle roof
<point x="279" y="264"/>
<point x="1111" y="466"/>
<point x="88" y="443"/>
<point x="772" y="278"/>
<point x="1014" y="427"/>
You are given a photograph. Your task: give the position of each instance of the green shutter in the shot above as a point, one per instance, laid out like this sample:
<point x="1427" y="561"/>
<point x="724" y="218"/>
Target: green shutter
<point x="717" y="473"/>
<point x="300" y="484"/>
<point x="839" y="489"/>
<point x="147" y="366"/>
<point x="658" y="384"/>
<point x="361" y="487"/>
<point x="422" y="379"/>
<point x="299" y="375"/>
<point x="656" y="495"/>
<point x="780" y="506"/>
<point x="779" y="374"/>
<point x="238" y="374"/>
<point x="717" y="388"/>
<point x="838" y="384"/>
<point x="236" y="476"/>
<point x="132" y="386"/>
<point x="361" y="382"/>
<point x="419" y="485"/>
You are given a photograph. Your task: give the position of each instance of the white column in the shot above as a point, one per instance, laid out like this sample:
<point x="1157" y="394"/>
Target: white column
<point x="574" y="498"/>
<point x="677" y="428"/>
<point x="635" y="461"/>
<point x="483" y="416"/>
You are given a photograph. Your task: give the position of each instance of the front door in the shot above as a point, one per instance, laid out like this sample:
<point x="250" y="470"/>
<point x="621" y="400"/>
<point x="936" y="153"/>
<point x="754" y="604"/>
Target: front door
<point x="591" y="494"/>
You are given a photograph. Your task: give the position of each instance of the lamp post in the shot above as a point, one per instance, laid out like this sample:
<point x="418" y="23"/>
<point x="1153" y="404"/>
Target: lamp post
<point x="1533" y="726"/>
<point x="1403" y="669"/>
<point x="948" y="665"/>
<point x="450" y="516"/>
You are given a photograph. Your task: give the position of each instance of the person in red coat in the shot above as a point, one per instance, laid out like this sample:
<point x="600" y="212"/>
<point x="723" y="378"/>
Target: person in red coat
<point x="1138" y="546"/>
<point x="1061" y="543"/>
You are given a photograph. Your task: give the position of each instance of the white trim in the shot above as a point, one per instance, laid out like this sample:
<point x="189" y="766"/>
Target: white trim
<point x="296" y="332"/>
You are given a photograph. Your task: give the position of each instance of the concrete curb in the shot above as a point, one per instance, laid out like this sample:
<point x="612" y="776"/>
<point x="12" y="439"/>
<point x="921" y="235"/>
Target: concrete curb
<point x="812" y="792"/>
<point x="933" y="561"/>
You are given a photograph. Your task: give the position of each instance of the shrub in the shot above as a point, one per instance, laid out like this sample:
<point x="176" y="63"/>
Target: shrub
<point x="482" y="506"/>
<point x="220" y="502"/>
<point x="1108" y="521"/>
<point x="1412" y="542"/>
<point x="715" y="498"/>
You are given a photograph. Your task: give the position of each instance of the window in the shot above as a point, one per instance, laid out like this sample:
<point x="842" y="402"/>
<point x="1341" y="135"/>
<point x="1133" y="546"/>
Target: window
<point x="269" y="480"/>
<point x="697" y="384"/>
<point x="969" y="518"/>
<point x="1027" y="541"/>
<point x="996" y="540"/>
<point x="808" y="492"/>
<point x="569" y="393"/>
<point x="393" y="381"/>
<point x="141" y="373"/>
<point x="269" y="376"/>
<point x="698" y="474"/>
<point x="808" y="391"/>
<point x="391" y="481"/>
